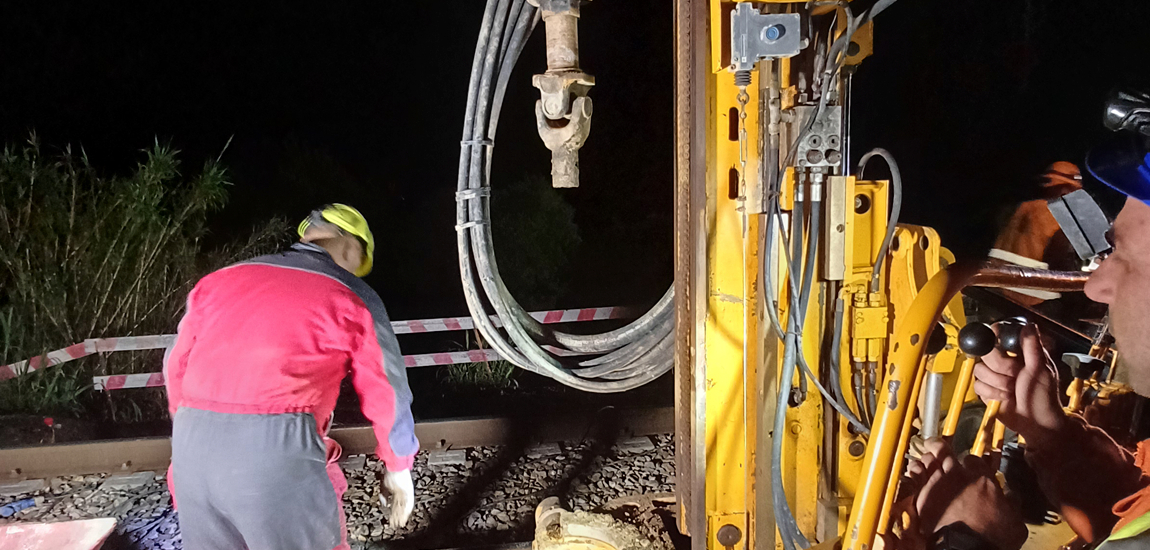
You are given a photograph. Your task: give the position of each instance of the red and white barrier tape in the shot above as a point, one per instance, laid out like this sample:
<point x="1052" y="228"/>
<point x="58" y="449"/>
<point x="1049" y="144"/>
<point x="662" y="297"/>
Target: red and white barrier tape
<point x="84" y="349"/>
<point x="156" y="379"/>
<point x="127" y="381"/>
<point x="134" y="343"/>
<point x="545" y="317"/>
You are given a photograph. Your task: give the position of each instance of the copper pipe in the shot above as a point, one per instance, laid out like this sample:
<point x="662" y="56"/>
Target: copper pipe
<point x="998" y="275"/>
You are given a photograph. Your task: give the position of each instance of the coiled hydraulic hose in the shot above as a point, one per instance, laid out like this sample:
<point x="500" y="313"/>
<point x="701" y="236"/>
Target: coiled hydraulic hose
<point x="613" y="361"/>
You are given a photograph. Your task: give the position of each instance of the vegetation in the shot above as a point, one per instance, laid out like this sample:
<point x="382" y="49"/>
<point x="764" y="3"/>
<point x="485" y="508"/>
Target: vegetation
<point x="88" y="255"/>
<point x="535" y="238"/>
<point x="83" y="256"/>
<point x="498" y="374"/>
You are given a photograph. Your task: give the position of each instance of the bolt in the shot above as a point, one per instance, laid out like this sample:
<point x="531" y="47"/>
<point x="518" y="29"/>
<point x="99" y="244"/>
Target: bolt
<point x="840" y="228"/>
<point x="773" y="33"/>
<point x="814" y="156"/>
<point x="856" y="448"/>
<point x="729" y="535"/>
<point x="796" y="428"/>
<point x="834" y="156"/>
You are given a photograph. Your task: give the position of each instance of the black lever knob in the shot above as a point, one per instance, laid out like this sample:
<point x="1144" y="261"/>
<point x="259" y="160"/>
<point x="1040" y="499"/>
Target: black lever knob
<point x="976" y="339"/>
<point x="937" y="341"/>
<point x="1010" y="335"/>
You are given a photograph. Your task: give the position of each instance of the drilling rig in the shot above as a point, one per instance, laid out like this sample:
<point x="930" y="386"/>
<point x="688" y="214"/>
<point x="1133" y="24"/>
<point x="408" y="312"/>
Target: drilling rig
<point x="813" y="337"/>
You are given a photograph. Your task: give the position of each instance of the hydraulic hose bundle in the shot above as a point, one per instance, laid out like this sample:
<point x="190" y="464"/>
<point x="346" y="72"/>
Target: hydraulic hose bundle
<point x="613" y="361"/>
<point x="800" y="267"/>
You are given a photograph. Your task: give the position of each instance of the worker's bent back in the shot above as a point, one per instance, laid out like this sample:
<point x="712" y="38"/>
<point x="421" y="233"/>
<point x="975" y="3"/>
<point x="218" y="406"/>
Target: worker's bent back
<point x="277" y="335"/>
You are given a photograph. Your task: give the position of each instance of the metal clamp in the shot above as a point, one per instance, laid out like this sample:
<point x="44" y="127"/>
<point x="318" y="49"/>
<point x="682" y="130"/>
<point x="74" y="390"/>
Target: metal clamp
<point x="756" y="36"/>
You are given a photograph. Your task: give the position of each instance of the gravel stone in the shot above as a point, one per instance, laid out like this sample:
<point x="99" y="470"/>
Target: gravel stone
<point x="504" y="503"/>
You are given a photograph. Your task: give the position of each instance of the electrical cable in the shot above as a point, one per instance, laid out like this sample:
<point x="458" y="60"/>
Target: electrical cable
<point x="788" y="527"/>
<point x="613" y="361"/>
<point x="895" y="208"/>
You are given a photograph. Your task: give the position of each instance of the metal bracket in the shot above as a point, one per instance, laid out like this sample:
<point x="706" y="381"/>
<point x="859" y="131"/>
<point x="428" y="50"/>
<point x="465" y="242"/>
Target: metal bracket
<point x="836" y="226"/>
<point x="756" y="36"/>
<point x="1083" y="223"/>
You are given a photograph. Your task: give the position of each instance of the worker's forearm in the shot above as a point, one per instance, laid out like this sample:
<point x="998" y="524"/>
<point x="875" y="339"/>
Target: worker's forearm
<point x="1084" y="473"/>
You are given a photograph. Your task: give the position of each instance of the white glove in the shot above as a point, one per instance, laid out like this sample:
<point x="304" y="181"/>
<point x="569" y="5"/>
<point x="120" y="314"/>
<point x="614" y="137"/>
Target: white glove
<point x="402" y="491"/>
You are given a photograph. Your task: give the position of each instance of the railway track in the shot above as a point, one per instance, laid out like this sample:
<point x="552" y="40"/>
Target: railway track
<point x="478" y="480"/>
<point x="154" y="453"/>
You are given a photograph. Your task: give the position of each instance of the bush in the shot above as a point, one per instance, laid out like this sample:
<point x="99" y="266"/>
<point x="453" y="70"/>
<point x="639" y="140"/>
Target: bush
<point x="86" y="256"/>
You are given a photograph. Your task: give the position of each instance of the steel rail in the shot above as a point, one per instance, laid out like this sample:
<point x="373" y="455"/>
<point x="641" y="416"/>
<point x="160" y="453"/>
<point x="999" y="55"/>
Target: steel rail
<point x="154" y="453"/>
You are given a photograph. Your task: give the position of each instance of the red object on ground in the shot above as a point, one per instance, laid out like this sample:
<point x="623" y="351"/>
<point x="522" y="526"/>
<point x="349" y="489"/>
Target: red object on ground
<point x="48" y="421"/>
<point x="88" y="534"/>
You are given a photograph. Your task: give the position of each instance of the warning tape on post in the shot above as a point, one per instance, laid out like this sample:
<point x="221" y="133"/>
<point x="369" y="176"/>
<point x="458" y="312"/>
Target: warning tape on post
<point x="163" y="341"/>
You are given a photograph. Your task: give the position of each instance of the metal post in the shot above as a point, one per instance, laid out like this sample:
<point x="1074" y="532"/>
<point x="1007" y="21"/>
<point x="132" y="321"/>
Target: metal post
<point x="931" y="405"/>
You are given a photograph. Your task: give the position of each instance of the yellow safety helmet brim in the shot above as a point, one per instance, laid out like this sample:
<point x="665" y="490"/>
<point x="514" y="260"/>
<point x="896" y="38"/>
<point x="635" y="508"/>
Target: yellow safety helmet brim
<point x="351" y="221"/>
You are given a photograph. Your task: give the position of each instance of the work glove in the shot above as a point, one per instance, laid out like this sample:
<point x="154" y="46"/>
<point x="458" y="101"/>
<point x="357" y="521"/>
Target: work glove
<point x="402" y="494"/>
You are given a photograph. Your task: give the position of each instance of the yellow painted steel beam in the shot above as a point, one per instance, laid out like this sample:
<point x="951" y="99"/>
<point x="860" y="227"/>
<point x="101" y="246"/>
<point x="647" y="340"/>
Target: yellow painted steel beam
<point x="901" y="447"/>
<point x="732" y="352"/>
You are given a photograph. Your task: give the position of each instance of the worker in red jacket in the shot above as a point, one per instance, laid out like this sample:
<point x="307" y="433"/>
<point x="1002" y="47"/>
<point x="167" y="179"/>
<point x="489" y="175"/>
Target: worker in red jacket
<point x="253" y="379"/>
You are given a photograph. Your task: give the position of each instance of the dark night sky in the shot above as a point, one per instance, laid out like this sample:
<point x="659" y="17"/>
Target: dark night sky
<point x="974" y="98"/>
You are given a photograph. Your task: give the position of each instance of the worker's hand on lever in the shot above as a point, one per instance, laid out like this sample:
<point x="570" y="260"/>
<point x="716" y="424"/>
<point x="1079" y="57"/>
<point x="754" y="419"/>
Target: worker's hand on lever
<point x="402" y="495"/>
<point x="1027" y="387"/>
<point x="949" y="496"/>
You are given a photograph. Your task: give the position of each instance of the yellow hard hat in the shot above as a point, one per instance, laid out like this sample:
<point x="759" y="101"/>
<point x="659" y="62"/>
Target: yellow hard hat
<point x="351" y="221"/>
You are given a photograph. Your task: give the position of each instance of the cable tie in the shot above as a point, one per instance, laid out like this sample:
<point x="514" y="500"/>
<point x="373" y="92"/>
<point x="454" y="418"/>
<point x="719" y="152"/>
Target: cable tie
<point x="484" y="142"/>
<point x="469" y="225"/>
<point x="468" y="194"/>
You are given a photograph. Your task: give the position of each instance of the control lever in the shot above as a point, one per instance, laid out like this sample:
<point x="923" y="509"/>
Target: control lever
<point x="977" y="340"/>
<point x="1088" y="367"/>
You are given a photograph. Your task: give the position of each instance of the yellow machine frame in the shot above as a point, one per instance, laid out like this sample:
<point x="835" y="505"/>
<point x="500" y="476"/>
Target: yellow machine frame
<point x="839" y="484"/>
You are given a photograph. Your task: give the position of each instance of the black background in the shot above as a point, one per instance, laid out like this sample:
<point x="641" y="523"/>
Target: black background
<point x="974" y="98"/>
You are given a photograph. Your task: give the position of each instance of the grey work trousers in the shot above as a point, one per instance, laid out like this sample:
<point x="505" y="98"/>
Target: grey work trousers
<point x="252" y="481"/>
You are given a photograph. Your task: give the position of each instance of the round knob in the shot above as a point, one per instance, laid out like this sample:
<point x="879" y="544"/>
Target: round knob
<point x="1010" y="335"/>
<point x="976" y="339"/>
<point x="729" y="535"/>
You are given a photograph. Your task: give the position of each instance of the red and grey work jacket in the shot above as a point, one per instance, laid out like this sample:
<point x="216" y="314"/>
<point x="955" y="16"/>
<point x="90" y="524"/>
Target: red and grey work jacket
<point x="277" y="334"/>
